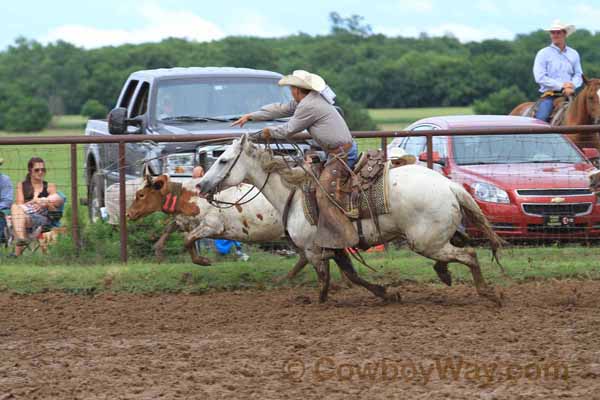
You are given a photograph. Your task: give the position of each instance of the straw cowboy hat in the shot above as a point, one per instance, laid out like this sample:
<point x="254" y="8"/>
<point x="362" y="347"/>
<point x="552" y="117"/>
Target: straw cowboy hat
<point x="559" y="26"/>
<point x="304" y="80"/>
<point x="398" y="153"/>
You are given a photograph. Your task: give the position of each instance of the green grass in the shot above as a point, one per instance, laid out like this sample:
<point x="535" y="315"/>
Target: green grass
<point x="522" y="264"/>
<point x="395" y="119"/>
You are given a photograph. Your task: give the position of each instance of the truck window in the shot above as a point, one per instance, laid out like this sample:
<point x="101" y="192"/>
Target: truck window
<point x="128" y="93"/>
<point x="216" y="97"/>
<point x="141" y="100"/>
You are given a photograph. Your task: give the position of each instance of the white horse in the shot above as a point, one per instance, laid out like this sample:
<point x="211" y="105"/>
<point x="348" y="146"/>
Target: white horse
<point x="426" y="209"/>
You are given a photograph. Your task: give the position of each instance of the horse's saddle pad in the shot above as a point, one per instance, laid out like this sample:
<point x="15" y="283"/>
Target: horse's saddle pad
<point x="365" y="195"/>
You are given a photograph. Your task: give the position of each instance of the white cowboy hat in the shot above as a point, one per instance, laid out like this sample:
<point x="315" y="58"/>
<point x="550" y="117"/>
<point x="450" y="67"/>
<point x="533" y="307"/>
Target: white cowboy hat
<point x="559" y="26"/>
<point x="305" y="80"/>
<point x="398" y="153"/>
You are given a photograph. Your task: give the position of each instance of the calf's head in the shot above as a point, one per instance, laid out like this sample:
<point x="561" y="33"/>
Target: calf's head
<point x="159" y="194"/>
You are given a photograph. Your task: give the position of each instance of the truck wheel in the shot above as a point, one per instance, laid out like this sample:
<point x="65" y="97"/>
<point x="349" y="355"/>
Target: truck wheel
<point x="95" y="197"/>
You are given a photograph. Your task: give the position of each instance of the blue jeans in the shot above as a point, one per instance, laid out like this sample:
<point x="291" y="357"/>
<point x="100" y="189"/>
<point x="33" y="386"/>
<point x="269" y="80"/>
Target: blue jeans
<point x="352" y="155"/>
<point x="545" y="108"/>
<point x="2" y="227"/>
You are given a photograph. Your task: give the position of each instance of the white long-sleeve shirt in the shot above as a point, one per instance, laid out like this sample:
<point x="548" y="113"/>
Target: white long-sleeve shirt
<point x="553" y="67"/>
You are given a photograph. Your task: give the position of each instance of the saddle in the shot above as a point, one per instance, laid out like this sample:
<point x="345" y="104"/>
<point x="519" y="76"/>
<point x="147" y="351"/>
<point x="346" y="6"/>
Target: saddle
<point x="363" y="195"/>
<point x="560" y="106"/>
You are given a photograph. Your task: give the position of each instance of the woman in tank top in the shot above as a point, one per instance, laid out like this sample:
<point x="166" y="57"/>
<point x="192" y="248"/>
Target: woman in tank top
<point x="35" y="197"/>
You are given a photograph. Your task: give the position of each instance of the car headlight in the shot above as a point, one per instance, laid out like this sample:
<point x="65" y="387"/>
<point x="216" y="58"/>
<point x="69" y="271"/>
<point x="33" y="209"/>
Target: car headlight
<point x="490" y="193"/>
<point x="179" y="164"/>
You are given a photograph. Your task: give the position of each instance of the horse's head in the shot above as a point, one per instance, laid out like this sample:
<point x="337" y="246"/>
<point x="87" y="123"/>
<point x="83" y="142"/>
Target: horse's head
<point x="149" y="198"/>
<point x="592" y="99"/>
<point x="229" y="169"/>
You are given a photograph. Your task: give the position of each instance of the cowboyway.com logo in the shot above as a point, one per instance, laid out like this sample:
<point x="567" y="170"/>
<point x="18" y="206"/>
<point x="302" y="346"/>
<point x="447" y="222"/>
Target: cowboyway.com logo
<point x="409" y="371"/>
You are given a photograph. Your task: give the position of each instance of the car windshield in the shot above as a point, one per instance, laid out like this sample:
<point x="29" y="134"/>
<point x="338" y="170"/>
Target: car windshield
<point x="514" y="149"/>
<point x="203" y="100"/>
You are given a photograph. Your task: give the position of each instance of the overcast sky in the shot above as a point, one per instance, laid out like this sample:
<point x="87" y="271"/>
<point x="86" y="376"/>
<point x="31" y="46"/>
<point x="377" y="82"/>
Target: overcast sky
<point x="93" y="24"/>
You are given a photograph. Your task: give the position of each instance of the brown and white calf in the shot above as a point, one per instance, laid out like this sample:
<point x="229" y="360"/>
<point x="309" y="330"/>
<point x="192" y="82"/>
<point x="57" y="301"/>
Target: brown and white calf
<point x="255" y="221"/>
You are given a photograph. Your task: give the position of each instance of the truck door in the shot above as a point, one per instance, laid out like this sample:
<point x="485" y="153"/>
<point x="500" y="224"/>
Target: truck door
<point x="138" y="152"/>
<point x="110" y="151"/>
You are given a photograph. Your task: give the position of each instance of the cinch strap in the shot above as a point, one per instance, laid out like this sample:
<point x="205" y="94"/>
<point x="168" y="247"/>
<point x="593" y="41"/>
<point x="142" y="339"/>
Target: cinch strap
<point x="170" y="208"/>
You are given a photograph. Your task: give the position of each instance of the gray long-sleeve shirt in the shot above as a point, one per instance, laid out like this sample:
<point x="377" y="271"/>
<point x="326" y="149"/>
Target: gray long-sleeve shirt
<point x="6" y="192"/>
<point x="313" y="113"/>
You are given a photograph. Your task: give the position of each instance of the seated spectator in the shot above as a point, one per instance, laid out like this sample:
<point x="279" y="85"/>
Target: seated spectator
<point x="35" y="199"/>
<point x="6" y="200"/>
<point x="223" y="247"/>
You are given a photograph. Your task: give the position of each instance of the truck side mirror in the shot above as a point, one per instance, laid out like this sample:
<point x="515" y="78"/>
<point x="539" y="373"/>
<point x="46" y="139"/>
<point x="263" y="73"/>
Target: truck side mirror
<point x="117" y="121"/>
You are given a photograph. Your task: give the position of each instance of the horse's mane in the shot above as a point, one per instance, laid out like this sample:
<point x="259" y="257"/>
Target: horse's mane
<point x="293" y="176"/>
<point x="574" y="106"/>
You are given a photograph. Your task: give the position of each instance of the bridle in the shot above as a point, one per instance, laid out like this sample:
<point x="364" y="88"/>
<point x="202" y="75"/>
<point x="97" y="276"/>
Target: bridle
<point x="219" y="203"/>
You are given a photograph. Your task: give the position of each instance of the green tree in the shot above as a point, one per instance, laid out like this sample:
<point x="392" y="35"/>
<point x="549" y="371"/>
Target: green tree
<point x="501" y="102"/>
<point x="26" y="114"/>
<point x="94" y="109"/>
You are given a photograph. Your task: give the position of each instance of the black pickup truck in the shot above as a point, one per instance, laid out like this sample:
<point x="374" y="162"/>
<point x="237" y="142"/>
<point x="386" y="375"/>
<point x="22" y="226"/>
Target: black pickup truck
<point x="176" y="101"/>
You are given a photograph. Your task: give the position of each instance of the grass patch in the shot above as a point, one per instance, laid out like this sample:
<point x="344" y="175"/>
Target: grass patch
<point x="394" y="266"/>
<point x="398" y="118"/>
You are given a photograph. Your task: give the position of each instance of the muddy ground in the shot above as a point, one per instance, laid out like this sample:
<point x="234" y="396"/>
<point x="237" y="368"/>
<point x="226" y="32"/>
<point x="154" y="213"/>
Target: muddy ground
<point x="439" y="343"/>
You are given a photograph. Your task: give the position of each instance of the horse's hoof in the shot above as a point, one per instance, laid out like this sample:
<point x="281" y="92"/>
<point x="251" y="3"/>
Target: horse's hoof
<point x="492" y="296"/>
<point x="202" y="261"/>
<point x="446" y="278"/>
<point x="393" y="297"/>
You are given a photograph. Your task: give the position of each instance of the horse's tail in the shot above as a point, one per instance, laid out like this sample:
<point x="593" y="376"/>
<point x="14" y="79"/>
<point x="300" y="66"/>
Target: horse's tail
<point x="474" y="215"/>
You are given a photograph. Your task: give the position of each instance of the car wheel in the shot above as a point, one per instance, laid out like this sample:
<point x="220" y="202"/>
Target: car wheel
<point x="95" y="197"/>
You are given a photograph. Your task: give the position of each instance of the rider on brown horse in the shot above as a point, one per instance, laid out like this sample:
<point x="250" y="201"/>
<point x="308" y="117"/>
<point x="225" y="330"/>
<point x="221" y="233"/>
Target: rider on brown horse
<point x="557" y="69"/>
<point x="312" y="109"/>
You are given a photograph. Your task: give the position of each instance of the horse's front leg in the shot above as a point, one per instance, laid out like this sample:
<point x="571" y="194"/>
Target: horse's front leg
<point x="300" y="264"/>
<point x="345" y="264"/>
<point x="324" y="278"/>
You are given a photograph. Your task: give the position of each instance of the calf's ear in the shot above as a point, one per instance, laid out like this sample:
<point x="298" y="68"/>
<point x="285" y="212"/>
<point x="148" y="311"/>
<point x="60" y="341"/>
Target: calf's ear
<point x="161" y="183"/>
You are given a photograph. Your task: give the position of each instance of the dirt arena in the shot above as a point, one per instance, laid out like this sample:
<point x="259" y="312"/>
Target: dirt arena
<point x="439" y="343"/>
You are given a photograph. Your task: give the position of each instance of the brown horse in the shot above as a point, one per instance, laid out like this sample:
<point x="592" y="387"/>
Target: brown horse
<point x="584" y="110"/>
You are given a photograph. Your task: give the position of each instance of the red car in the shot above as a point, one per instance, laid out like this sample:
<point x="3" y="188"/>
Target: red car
<point x="529" y="186"/>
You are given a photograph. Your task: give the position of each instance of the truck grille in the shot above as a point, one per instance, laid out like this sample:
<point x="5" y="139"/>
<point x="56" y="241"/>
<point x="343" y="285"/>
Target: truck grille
<point x="556" y="230"/>
<point x="557" y="209"/>
<point x="554" y="192"/>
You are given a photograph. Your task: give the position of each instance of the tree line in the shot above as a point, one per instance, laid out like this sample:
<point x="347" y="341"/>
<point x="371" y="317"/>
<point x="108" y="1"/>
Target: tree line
<point x="365" y="69"/>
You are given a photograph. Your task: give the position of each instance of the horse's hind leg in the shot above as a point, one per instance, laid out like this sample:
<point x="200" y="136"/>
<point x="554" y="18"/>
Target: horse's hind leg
<point x="468" y="257"/>
<point x="345" y="264"/>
